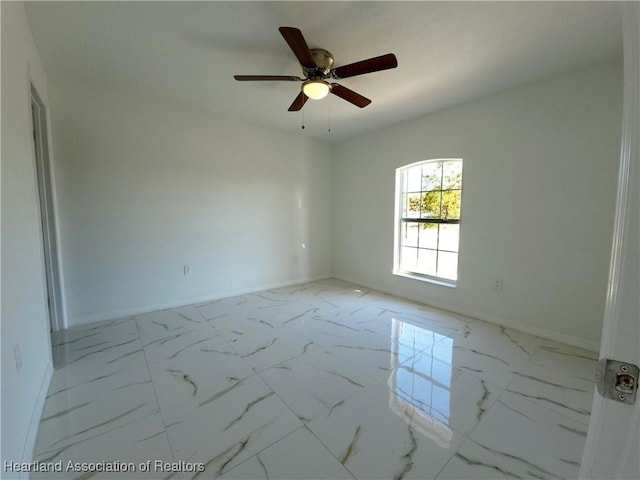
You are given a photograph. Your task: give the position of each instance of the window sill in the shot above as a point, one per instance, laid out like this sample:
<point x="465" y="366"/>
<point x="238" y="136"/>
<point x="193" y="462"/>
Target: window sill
<point x="425" y="278"/>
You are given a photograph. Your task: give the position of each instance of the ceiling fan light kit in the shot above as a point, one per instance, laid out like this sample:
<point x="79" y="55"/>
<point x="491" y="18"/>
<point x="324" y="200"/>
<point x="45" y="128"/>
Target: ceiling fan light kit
<point x="316" y="89"/>
<point x="317" y="68"/>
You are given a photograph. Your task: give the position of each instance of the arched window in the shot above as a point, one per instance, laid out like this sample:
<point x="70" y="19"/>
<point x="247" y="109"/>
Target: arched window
<point x="428" y="196"/>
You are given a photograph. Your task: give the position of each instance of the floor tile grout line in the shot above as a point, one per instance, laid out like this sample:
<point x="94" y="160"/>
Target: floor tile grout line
<point x="328" y="450"/>
<point x="373" y="380"/>
<point x="506" y="389"/>
<point x="155" y="393"/>
<point x="303" y="423"/>
<point x="527" y="401"/>
<point x="91" y="437"/>
<point x="540" y="405"/>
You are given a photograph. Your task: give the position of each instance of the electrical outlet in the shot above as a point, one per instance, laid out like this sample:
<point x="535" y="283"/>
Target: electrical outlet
<point x="18" y="357"/>
<point x="187" y="269"/>
<point x="498" y="283"/>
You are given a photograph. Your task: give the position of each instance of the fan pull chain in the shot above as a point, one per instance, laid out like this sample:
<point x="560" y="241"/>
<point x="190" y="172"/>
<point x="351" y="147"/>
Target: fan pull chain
<point x="329" y="101"/>
<point x="303" y="118"/>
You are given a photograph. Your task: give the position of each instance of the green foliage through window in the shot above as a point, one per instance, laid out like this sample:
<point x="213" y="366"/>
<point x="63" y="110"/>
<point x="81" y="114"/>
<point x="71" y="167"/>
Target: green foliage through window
<point x="440" y="193"/>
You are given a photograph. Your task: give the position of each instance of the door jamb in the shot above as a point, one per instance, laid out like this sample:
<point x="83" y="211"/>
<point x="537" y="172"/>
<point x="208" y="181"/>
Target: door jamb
<point x="47" y="213"/>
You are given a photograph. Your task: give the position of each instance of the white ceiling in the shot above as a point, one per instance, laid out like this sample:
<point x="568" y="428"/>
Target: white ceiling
<point x="186" y="53"/>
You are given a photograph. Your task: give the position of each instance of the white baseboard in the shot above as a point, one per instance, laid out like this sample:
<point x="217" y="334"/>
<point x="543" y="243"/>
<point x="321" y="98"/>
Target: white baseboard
<point x="529" y="329"/>
<point x="36" y="415"/>
<point x="126" y="312"/>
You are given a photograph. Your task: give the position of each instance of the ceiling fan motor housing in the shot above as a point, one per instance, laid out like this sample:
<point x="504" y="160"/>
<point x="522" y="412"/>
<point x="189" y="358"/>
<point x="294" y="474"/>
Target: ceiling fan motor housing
<point x="324" y="62"/>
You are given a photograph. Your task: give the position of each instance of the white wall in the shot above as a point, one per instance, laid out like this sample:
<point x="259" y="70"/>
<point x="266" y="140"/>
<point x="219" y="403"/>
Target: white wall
<point x="144" y="189"/>
<point x="24" y="317"/>
<point x="540" y="169"/>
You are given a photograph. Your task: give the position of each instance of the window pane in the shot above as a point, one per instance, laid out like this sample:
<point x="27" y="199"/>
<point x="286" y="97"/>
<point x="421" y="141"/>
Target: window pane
<point x="405" y="205"/>
<point x="427" y="262"/>
<point x="410" y="234"/>
<point x="452" y="175"/>
<point x="448" y="265"/>
<point x="431" y="176"/>
<point x="412" y="177"/>
<point x="408" y="258"/>
<point x="449" y="237"/>
<point x="428" y="235"/>
<point x="413" y="210"/>
<point x="451" y="204"/>
<point x="431" y="205"/>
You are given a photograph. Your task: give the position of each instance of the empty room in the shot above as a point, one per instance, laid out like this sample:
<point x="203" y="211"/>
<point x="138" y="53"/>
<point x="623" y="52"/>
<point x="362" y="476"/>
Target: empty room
<point x="320" y="240"/>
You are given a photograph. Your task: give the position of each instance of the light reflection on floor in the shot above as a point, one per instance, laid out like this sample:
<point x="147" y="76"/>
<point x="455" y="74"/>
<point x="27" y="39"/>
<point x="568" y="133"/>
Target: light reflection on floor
<point x="422" y="395"/>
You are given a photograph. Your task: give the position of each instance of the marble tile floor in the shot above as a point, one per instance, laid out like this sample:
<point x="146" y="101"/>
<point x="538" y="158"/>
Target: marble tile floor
<point x="324" y="380"/>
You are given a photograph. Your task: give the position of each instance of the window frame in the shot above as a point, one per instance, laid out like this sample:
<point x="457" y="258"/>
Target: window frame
<point x="400" y="221"/>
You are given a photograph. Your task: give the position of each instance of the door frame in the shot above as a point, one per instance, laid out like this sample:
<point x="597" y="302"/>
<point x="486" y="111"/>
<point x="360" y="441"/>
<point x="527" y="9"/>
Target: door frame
<point x="47" y="213"/>
<point x="614" y="428"/>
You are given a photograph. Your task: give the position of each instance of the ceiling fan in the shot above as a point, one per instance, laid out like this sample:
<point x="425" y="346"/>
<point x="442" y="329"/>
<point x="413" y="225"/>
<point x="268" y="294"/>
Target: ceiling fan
<point x="317" y="69"/>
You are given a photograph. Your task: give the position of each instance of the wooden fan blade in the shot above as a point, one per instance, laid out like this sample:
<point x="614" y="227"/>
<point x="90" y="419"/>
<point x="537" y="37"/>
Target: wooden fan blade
<point x="298" y="45"/>
<point x="349" y="95"/>
<point x="254" y="78"/>
<point x="383" y="62"/>
<point x="299" y="102"/>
